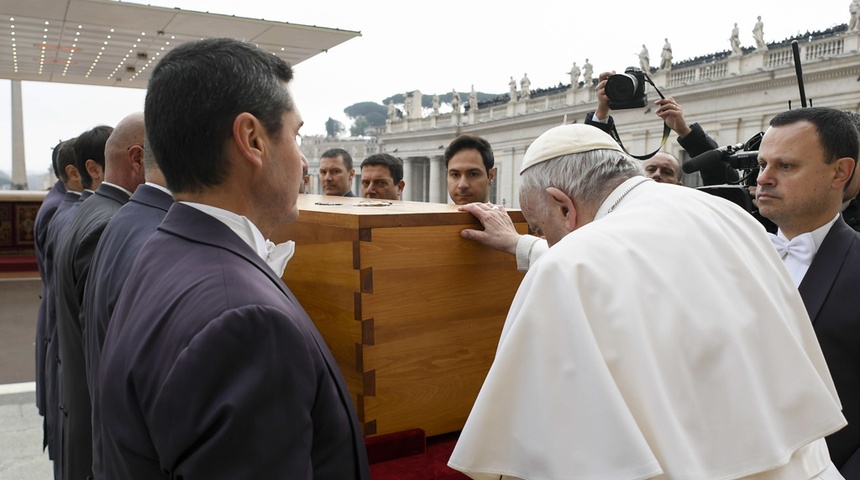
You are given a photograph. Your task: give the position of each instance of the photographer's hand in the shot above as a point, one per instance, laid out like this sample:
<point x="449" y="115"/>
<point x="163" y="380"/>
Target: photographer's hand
<point x="670" y="111"/>
<point x="602" y="112"/>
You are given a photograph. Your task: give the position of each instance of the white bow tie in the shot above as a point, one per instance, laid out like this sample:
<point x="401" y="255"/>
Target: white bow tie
<point x="801" y="247"/>
<point x="279" y="255"/>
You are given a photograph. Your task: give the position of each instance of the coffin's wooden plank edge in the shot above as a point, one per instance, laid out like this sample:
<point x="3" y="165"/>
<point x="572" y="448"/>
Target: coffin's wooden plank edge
<point x="346" y="212"/>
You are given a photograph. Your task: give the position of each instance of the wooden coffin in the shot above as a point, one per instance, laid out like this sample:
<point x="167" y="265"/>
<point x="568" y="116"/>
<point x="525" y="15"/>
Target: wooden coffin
<point x="411" y="311"/>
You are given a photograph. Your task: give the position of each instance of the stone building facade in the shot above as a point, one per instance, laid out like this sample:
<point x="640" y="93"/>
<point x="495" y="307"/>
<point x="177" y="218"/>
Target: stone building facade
<point x="733" y="97"/>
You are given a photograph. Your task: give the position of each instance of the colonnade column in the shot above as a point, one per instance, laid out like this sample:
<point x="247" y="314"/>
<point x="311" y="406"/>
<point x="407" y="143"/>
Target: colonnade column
<point x="19" y="164"/>
<point x="407" y="176"/>
<point x="437" y="167"/>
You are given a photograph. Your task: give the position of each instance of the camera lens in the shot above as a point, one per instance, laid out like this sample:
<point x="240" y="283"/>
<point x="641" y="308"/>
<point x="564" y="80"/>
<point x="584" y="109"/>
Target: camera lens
<point x="621" y="87"/>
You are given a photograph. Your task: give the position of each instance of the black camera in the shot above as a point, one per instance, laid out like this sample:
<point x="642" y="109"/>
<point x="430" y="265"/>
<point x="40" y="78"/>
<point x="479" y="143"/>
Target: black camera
<point x="626" y="90"/>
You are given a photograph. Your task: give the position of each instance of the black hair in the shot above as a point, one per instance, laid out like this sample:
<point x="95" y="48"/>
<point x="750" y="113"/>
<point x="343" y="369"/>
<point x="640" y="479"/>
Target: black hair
<point x="837" y="133"/>
<point x="193" y="97"/>
<point x="394" y="164"/>
<point x="90" y="145"/>
<point x="471" y="141"/>
<point x="339" y="152"/>
<point x="65" y="157"/>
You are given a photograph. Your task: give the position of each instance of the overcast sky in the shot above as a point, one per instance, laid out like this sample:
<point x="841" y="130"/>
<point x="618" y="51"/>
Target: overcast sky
<point x="435" y="47"/>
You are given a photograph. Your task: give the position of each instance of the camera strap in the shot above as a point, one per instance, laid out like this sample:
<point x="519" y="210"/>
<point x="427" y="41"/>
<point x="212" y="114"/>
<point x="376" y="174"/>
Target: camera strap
<point x="666" y="130"/>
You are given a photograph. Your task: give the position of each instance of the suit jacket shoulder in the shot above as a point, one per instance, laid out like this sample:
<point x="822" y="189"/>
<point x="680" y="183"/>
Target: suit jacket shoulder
<point x="829" y="289"/>
<point x="236" y="377"/>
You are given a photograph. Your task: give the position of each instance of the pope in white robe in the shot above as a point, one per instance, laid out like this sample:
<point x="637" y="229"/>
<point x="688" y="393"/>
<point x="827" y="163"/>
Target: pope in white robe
<point x="659" y="337"/>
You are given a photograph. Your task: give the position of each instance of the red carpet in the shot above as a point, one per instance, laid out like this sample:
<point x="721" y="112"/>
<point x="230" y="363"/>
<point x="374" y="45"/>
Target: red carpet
<point x="403" y="456"/>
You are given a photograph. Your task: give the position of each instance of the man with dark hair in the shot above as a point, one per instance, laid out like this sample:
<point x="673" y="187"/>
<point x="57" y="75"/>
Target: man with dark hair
<point x="47" y="210"/>
<point x="469" y="162"/>
<point x="128" y="230"/>
<point x="117" y="176"/>
<point x="90" y="155"/>
<point x="336" y="173"/>
<point x="234" y="378"/>
<point x="806" y="160"/>
<point x="382" y="176"/>
<point x="49" y="368"/>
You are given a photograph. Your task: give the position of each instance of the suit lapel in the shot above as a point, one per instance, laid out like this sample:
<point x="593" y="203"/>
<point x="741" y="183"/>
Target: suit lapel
<point x="825" y="267"/>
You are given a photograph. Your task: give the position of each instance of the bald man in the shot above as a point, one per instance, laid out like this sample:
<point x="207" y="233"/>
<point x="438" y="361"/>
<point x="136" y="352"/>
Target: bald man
<point x="663" y="168"/>
<point x="123" y="172"/>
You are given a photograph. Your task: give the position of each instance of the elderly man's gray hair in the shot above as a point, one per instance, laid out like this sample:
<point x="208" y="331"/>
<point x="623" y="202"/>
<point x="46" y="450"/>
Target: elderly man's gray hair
<point x="588" y="177"/>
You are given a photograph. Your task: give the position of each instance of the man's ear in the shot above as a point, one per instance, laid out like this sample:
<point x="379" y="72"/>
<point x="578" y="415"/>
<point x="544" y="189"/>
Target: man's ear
<point x="351" y="174"/>
<point x="561" y="208"/>
<point x="135" y="159"/>
<point x="400" y="186"/>
<point x="94" y="169"/>
<point x="250" y="137"/>
<point x="843" y="168"/>
<point x="72" y="172"/>
<point x="492" y="174"/>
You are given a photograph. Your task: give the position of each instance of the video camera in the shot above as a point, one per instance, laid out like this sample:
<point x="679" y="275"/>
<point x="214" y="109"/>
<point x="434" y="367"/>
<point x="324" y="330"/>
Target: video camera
<point x="741" y="156"/>
<point x="627" y="90"/>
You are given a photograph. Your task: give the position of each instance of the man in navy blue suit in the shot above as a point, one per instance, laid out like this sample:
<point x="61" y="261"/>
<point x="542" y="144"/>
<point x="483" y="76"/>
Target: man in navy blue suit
<point x="807" y="158"/>
<point x="52" y="202"/>
<point x="49" y="206"/>
<point x="128" y="230"/>
<point x="46" y="332"/>
<point x="210" y="367"/>
<point x="118" y="173"/>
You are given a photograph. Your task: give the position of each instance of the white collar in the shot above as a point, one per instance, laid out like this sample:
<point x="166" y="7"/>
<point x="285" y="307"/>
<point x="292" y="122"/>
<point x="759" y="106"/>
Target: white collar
<point x="159" y="187"/>
<point x="117" y="187"/>
<point x="817" y="235"/>
<point x="276" y="256"/>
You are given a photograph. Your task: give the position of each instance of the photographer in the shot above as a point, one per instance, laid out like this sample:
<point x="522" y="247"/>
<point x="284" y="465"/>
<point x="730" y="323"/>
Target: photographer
<point x="692" y="138"/>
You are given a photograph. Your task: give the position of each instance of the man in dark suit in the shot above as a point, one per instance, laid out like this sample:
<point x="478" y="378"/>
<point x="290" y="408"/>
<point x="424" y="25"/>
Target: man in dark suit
<point x="210" y="367"/>
<point x="128" y="230"/>
<point x="850" y="202"/>
<point x="46" y="212"/>
<point x="807" y="157"/>
<point x="46" y="332"/>
<point x="121" y="164"/>
<point x="337" y="172"/>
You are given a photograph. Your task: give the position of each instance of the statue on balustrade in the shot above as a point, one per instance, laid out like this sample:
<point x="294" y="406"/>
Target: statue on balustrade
<point x="435" y="104"/>
<point x="644" y="59"/>
<point x="513" y="89"/>
<point x="735" y="41"/>
<point x="666" y="56"/>
<point x="587" y="72"/>
<point x="525" y="86"/>
<point x="392" y="113"/>
<point x="574" y="75"/>
<point x="407" y="104"/>
<point x="455" y="101"/>
<point x="473" y="99"/>
<point x="758" y="34"/>
<point x="854" y="10"/>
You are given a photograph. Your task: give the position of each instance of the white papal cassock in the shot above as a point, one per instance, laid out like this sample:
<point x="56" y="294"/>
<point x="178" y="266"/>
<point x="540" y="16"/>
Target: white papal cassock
<point x="665" y="339"/>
